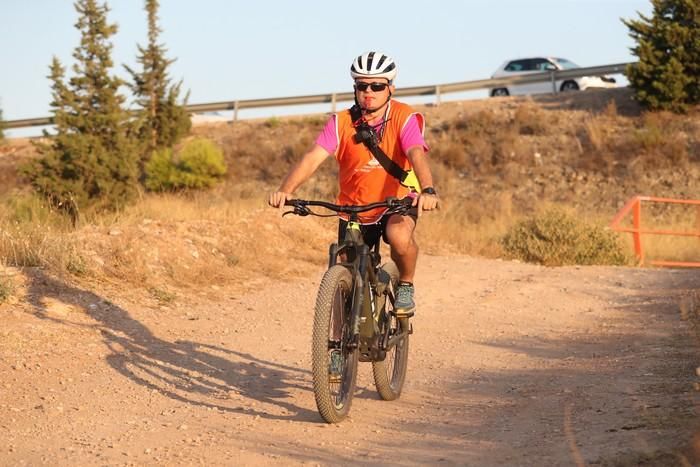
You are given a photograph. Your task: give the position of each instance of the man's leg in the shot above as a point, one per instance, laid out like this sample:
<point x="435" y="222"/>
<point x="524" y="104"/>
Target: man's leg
<point x="404" y="252"/>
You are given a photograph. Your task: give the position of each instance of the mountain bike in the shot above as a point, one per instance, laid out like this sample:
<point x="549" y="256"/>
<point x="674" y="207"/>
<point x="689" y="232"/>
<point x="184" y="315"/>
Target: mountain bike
<point x="354" y="317"/>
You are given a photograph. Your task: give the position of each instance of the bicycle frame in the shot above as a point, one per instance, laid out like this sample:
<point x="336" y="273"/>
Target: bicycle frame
<point x="366" y="304"/>
<point x="352" y="319"/>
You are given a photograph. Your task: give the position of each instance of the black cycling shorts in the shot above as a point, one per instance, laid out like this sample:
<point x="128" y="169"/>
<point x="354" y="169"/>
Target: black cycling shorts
<point x="372" y="232"/>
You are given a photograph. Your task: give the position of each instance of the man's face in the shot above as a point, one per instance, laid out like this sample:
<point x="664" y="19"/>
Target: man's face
<point x="372" y="92"/>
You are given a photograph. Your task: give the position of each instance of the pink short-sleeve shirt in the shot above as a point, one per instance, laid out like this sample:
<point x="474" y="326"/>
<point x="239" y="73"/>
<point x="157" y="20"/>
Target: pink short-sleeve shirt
<point x="411" y="136"/>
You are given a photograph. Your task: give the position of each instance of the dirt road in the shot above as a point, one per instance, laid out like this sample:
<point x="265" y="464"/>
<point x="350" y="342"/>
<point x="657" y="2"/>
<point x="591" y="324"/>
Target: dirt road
<point x="511" y="364"/>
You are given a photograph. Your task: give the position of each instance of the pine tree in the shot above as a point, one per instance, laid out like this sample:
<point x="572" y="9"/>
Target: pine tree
<point x="91" y="161"/>
<point x="667" y="75"/>
<point x="163" y="121"/>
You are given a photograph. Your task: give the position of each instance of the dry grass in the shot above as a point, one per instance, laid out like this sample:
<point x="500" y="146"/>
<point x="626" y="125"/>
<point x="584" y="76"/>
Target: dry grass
<point x="658" y="248"/>
<point x="493" y="165"/>
<point x="594" y="131"/>
<point x="465" y="228"/>
<point x="172" y="242"/>
<point x="531" y="119"/>
<point x="31" y="235"/>
<point x="7" y="287"/>
<point x="672" y="218"/>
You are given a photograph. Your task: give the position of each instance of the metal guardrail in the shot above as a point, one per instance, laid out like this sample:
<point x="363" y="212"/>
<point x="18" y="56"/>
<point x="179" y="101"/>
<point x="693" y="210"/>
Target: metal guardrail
<point x="634" y="206"/>
<point x="333" y="98"/>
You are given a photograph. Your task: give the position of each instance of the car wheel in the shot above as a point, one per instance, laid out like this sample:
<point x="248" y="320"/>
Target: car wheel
<point x="569" y="86"/>
<point x="500" y="92"/>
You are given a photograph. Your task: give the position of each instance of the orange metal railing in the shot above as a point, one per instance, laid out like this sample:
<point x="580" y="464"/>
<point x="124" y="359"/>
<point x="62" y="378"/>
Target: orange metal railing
<point x="634" y="206"/>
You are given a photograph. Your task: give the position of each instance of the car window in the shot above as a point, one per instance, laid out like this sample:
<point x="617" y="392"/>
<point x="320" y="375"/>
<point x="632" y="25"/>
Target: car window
<point x="566" y="64"/>
<point x="540" y="64"/>
<point x="516" y="65"/>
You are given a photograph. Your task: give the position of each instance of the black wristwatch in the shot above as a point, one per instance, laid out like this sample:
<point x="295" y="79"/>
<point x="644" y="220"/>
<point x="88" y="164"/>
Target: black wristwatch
<point x="429" y="190"/>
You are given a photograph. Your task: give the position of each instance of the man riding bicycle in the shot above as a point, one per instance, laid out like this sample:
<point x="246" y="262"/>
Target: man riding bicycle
<point x="380" y="148"/>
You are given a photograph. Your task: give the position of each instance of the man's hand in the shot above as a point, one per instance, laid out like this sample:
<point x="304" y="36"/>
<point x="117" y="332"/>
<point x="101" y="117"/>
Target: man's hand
<point x="427" y="202"/>
<point x="277" y="199"/>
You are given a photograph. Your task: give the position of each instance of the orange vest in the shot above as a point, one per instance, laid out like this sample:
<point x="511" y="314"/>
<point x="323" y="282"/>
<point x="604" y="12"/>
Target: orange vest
<point x="361" y="177"/>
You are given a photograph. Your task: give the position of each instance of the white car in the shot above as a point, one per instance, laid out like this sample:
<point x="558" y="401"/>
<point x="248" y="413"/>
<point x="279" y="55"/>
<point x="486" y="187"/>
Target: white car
<point x="526" y="66"/>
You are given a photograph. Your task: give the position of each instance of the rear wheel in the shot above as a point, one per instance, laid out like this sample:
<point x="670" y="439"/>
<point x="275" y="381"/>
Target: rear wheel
<point x="569" y="86"/>
<point x="334" y="361"/>
<point x="500" y="92"/>
<point x="390" y="374"/>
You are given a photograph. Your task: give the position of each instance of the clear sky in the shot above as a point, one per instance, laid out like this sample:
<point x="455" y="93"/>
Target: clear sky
<point x="231" y="49"/>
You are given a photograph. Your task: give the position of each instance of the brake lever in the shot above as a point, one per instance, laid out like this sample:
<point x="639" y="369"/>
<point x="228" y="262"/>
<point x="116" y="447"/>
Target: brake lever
<point x="299" y="211"/>
<point x="400" y="206"/>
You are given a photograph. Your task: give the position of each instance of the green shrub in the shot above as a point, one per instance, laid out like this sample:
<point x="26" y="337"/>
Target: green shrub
<point x="7" y="287"/>
<point x="200" y="164"/>
<point x="556" y="238"/>
<point x="163" y="296"/>
<point x="273" y="122"/>
<point x="76" y="264"/>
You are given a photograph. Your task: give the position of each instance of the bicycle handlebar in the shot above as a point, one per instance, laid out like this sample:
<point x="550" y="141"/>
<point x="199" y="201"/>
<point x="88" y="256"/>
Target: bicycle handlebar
<point x="301" y="206"/>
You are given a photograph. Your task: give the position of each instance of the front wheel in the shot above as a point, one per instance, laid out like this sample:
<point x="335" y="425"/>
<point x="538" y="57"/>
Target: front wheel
<point x="390" y="373"/>
<point x="334" y="358"/>
<point x="569" y="86"/>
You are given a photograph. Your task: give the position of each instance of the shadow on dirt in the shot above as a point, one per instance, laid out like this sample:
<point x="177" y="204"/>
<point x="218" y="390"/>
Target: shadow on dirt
<point x="190" y="372"/>
<point x="619" y="397"/>
<point x="586" y="406"/>
<point x="623" y="396"/>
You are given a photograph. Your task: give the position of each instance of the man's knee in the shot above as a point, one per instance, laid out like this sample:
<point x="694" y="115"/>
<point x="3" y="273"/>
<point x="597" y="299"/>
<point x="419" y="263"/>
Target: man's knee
<point x="402" y="242"/>
<point x="399" y="234"/>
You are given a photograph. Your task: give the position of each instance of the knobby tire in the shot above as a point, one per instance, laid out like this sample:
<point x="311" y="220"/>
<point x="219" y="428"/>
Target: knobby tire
<point x="333" y="331"/>
<point x="390" y="374"/>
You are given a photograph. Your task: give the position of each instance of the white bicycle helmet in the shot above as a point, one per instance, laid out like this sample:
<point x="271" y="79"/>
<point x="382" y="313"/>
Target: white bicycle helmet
<point x="373" y="65"/>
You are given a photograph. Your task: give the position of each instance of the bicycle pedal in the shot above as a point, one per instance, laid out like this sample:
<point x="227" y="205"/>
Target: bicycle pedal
<point x="334" y="379"/>
<point x="400" y="314"/>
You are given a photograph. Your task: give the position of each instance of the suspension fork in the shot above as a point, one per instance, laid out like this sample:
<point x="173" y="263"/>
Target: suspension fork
<point x="359" y="292"/>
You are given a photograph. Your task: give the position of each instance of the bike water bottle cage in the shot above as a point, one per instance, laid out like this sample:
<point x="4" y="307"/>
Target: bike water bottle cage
<point x="365" y="134"/>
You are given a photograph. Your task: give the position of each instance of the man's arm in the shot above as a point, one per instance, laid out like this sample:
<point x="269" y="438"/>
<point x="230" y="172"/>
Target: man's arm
<point x="298" y="174"/>
<point x="419" y="162"/>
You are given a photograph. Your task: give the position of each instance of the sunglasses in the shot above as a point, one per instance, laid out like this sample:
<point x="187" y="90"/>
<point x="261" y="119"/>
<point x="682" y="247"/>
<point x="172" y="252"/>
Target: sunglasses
<point x="375" y="87"/>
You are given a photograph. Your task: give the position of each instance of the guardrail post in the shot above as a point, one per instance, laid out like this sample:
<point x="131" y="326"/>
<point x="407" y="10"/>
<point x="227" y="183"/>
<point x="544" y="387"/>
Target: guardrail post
<point x="333" y="103"/>
<point x="235" y="111"/>
<point x="553" y="77"/>
<point x="637" y="234"/>
<point x="437" y="95"/>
